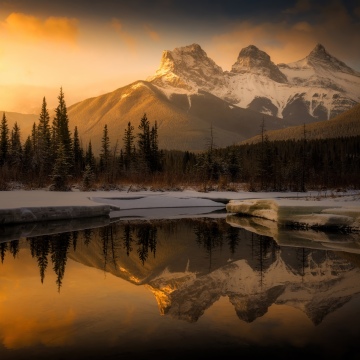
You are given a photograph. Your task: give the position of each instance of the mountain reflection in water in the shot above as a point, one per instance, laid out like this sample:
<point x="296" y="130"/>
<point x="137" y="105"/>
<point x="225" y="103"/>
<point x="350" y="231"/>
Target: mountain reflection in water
<point x="174" y="288"/>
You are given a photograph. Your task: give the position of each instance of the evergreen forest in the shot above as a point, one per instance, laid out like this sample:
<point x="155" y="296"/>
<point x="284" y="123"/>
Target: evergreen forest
<point x="53" y="156"/>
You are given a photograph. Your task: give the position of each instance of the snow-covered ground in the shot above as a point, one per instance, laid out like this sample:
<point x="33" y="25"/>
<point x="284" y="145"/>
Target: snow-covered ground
<point x="341" y="213"/>
<point x="25" y="206"/>
<point x="23" y="213"/>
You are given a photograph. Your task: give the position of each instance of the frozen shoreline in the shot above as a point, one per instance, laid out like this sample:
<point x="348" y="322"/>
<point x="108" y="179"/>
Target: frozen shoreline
<point x="339" y="214"/>
<point x="22" y="206"/>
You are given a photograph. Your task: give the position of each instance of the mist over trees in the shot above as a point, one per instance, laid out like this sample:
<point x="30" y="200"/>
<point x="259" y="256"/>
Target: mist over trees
<point x="53" y="156"/>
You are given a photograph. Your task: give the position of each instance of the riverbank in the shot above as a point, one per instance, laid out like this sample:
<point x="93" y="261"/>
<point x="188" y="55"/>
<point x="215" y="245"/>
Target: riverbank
<point x="24" y="206"/>
<point x="341" y="213"/>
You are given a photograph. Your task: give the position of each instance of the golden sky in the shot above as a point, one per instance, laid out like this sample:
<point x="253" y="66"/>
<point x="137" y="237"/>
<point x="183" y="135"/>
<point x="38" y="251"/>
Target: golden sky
<point x="89" y="49"/>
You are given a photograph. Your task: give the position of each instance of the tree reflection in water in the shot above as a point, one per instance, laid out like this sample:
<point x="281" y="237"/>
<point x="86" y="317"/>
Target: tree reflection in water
<point x="225" y="286"/>
<point x="140" y="237"/>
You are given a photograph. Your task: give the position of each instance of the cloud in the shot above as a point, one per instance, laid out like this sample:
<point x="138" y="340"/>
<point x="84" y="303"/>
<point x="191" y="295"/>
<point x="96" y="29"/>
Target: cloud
<point x="303" y="26"/>
<point x="357" y="11"/>
<point x="291" y="39"/>
<point x="28" y="27"/>
<point x="301" y="6"/>
<point x="283" y="42"/>
<point x="129" y="40"/>
<point x="151" y="33"/>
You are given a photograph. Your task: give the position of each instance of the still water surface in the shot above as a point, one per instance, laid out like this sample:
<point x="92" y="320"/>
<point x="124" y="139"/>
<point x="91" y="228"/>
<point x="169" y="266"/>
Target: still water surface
<point x="166" y="289"/>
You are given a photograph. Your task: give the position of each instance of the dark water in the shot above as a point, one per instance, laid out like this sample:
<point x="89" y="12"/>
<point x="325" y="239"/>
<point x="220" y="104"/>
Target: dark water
<point x="167" y="289"/>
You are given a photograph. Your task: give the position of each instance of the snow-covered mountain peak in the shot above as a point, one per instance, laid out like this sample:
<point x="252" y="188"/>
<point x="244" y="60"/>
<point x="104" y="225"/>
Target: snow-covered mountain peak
<point x="319" y="52"/>
<point x="320" y="60"/>
<point x="187" y="67"/>
<point x="320" y="57"/>
<point x="256" y="61"/>
<point x="317" y="87"/>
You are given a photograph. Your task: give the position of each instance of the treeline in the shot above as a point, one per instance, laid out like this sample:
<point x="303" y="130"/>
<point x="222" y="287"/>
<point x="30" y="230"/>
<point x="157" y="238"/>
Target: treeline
<point x="294" y="165"/>
<point x="54" y="157"/>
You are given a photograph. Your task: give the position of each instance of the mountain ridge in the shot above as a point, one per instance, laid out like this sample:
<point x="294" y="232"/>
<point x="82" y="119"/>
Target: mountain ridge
<point x="190" y="95"/>
<point x="313" y="88"/>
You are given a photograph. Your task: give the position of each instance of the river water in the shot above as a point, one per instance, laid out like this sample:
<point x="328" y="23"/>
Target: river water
<point x="167" y="289"/>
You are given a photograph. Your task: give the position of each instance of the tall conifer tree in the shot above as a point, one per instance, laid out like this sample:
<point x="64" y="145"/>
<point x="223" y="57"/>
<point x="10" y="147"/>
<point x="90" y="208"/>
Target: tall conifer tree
<point x="105" y="162"/>
<point x="78" y="154"/>
<point x="15" y="148"/>
<point x="44" y="142"/>
<point x="61" y="130"/>
<point x="143" y="142"/>
<point x="62" y="146"/>
<point x="4" y="140"/>
<point x="90" y="157"/>
<point x="128" y="154"/>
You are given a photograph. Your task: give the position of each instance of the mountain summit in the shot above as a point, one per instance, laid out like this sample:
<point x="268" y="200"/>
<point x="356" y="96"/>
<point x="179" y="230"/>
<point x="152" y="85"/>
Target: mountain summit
<point x="253" y="60"/>
<point x="318" y="87"/>
<point x="320" y="57"/>
<point x="188" y="68"/>
<point x="320" y="60"/>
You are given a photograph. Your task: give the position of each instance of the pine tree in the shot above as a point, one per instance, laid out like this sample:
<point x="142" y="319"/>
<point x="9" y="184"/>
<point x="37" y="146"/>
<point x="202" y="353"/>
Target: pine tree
<point x="128" y="152"/>
<point x="44" y="143"/>
<point x="62" y="146"/>
<point x="78" y="154"/>
<point x="28" y="155"/>
<point x="60" y="176"/>
<point x="303" y="165"/>
<point x="144" y="151"/>
<point x="105" y="163"/>
<point x="4" y="140"/>
<point x="90" y="158"/>
<point x="233" y="164"/>
<point x="156" y="156"/>
<point x="15" y="150"/>
<point x="88" y="178"/>
<point x="60" y="130"/>
<point x="261" y="158"/>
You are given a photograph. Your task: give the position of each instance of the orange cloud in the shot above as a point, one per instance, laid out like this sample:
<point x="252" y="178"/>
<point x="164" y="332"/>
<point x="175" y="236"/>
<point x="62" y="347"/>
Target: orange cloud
<point x="282" y="42"/>
<point x="28" y="27"/>
<point x="129" y="40"/>
<point x="151" y="32"/>
<point x="303" y="26"/>
<point x="289" y="41"/>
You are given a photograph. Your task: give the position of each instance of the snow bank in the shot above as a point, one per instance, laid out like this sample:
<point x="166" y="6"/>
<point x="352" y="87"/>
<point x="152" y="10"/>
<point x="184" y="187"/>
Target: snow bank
<point x="326" y="214"/>
<point x="33" y="214"/>
<point x="33" y="206"/>
<point x="21" y="206"/>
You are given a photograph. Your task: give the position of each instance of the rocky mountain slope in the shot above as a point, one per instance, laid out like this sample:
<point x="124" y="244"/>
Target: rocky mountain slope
<point x="184" y="122"/>
<point x="315" y="88"/>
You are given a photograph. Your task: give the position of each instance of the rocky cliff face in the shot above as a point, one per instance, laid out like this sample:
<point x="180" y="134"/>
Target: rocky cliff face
<point x="188" y="68"/>
<point x="318" y="87"/>
<point x="252" y="60"/>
